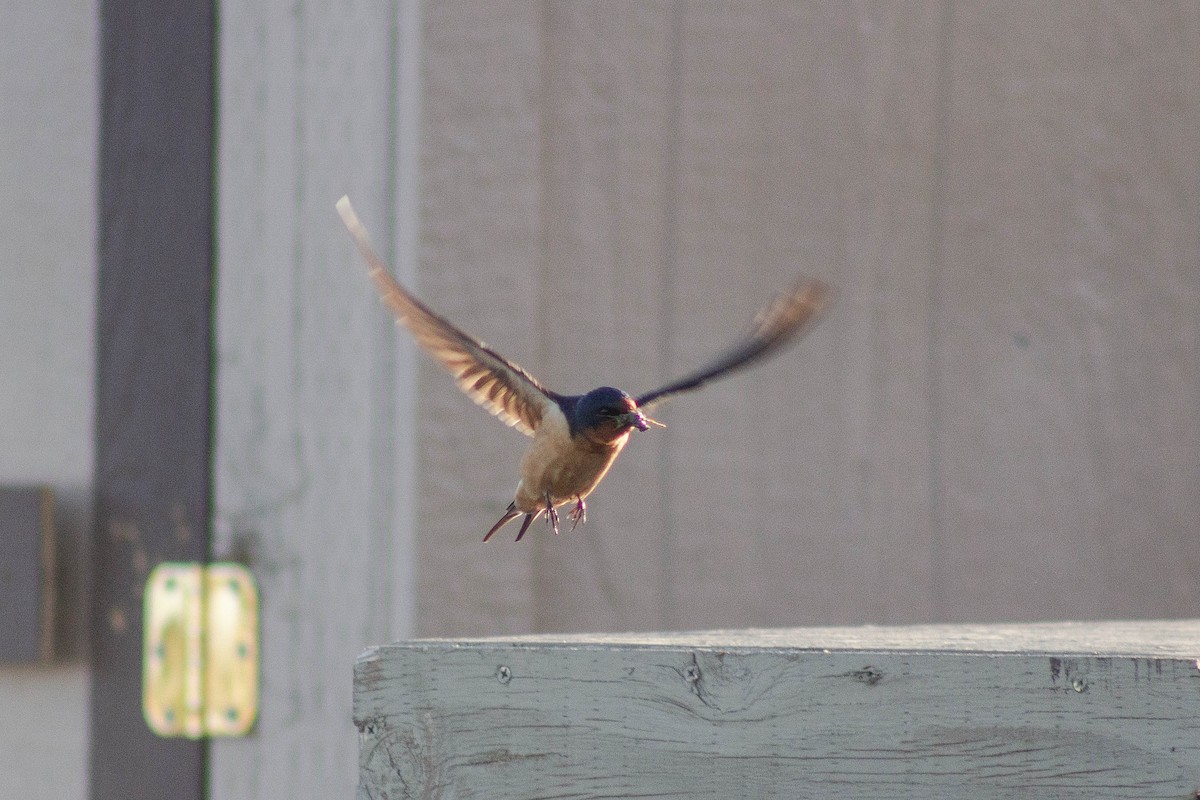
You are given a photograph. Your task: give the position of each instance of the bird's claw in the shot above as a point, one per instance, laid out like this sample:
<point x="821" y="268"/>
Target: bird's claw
<point x="552" y="516"/>
<point x="578" y="514"/>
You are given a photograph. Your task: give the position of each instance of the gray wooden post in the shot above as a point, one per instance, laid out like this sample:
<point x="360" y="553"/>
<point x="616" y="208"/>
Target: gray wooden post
<point x="1067" y="710"/>
<point x="314" y="457"/>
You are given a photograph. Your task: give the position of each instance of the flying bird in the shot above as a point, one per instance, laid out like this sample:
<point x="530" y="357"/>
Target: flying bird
<point x="576" y="438"/>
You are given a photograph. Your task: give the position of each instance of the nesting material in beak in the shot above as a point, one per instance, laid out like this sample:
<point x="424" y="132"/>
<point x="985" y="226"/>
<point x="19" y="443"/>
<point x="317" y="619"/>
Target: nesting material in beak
<point x="640" y="421"/>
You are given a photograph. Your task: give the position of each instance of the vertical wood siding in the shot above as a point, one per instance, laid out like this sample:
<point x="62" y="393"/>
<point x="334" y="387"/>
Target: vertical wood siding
<point x="998" y="421"/>
<point x="313" y="464"/>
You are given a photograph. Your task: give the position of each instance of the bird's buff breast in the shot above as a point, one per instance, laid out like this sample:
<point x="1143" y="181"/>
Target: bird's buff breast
<point x="567" y="468"/>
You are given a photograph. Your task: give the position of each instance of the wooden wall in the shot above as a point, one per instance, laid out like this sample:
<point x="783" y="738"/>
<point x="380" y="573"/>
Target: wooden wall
<point x="313" y="461"/>
<point x="48" y="159"/>
<point x="999" y="420"/>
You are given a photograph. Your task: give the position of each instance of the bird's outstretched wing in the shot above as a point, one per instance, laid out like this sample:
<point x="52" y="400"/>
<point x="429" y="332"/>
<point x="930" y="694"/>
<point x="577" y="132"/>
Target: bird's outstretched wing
<point x="487" y="377"/>
<point x="784" y="319"/>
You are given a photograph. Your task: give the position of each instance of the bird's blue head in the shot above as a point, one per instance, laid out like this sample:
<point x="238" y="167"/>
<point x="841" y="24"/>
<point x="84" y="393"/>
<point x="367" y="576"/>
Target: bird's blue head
<point x="606" y="414"/>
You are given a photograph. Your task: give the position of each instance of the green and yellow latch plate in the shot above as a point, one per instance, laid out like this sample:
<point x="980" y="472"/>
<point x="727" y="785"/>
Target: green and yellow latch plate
<point x="200" y="657"/>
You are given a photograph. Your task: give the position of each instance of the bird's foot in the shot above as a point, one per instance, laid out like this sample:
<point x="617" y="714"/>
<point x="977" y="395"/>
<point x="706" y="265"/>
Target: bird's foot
<point x="552" y="515"/>
<point x="578" y="514"/>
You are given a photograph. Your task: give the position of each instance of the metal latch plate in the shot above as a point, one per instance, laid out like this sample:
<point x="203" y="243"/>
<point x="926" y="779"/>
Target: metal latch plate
<point x="200" y="655"/>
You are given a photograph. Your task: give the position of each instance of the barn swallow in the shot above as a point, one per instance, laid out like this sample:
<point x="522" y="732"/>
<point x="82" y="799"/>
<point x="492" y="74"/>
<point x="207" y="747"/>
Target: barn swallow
<point x="576" y="438"/>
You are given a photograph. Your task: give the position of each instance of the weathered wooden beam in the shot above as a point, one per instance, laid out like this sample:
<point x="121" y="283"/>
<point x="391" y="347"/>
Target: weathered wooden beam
<point x="1070" y="710"/>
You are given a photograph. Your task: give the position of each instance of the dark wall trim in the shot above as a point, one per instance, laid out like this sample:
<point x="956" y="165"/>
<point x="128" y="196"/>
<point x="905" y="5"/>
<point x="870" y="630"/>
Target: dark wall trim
<point x="26" y="574"/>
<point x="154" y="354"/>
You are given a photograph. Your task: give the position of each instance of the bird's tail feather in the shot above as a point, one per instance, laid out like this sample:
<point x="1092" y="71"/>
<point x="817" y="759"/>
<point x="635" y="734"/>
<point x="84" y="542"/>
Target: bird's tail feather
<point x="509" y="516"/>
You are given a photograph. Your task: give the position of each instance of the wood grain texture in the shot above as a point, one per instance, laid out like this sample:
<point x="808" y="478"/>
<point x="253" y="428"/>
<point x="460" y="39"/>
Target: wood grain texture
<point x="314" y="475"/>
<point x="1177" y="639"/>
<point x="786" y="714"/>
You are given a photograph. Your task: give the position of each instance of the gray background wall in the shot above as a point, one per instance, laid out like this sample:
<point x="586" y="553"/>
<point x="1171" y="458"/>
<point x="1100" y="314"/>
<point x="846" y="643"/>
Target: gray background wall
<point x="48" y="129"/>
<point x="999" y="420"/>
<point x="314" y="455"/>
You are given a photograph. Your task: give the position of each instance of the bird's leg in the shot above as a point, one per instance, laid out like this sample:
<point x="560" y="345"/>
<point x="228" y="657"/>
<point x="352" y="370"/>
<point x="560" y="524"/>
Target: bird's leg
<point x="551" y="514"/>
<point x="578" y="513"/>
